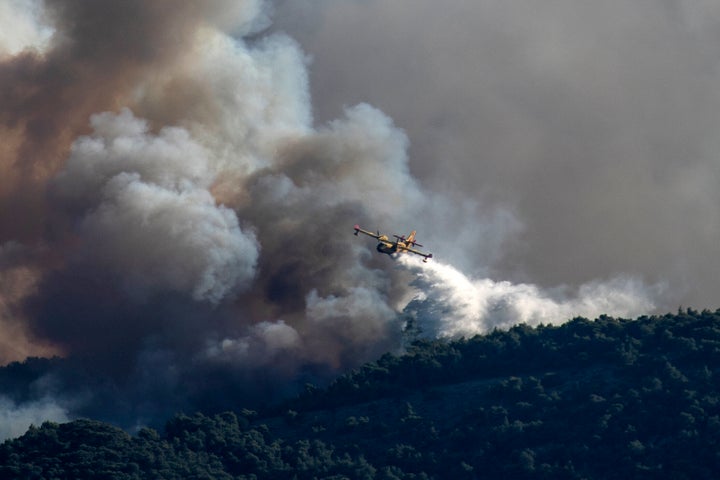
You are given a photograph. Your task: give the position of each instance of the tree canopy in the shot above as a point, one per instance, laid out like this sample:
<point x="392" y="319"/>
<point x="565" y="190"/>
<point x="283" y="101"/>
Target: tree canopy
<point x="609" y="398"/>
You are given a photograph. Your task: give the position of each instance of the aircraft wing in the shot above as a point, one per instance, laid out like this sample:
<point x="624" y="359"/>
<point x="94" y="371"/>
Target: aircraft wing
<point x="418" y="252"/>
<point x="370" y="234"/>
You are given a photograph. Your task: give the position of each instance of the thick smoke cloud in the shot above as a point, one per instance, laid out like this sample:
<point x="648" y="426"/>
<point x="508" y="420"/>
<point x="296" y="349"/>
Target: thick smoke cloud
<point x="146" y="213"/>
<point x="19" y="276"/>
<point x="176" y="225"/>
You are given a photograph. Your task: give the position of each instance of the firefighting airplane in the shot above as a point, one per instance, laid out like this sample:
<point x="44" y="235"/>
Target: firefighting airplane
<point x="400" y="245"/>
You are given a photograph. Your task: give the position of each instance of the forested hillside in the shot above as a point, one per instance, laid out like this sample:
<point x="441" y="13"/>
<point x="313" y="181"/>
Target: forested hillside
<point x="608" y="398"/>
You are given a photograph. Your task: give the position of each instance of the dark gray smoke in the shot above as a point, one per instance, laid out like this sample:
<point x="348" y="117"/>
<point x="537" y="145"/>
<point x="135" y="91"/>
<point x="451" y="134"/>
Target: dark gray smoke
<point x="177" y="227"/>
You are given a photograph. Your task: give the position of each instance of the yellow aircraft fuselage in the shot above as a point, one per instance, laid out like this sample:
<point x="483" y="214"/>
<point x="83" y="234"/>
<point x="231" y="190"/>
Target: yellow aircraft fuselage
<point x="399" y="245"/>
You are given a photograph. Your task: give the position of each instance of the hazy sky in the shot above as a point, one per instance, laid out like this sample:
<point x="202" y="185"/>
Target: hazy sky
<point x="594" y="123"/>
<point x="179" y="182"/>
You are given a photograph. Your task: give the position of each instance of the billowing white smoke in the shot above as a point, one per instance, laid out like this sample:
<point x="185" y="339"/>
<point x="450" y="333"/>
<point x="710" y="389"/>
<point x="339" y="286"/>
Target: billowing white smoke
<point x="15" y="419"/>
<point x="240" y="101"/>
<point x="21" y="27"/>
<point x="450" y="304"/>
<point x="147" y="214"/>
<point x="260" y="347"/>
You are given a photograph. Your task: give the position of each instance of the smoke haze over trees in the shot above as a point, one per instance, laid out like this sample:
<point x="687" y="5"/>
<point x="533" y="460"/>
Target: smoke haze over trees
<point x="178" y="183"/>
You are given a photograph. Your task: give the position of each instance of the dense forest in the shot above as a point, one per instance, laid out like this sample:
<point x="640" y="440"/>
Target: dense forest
<point x="609" y="398"/>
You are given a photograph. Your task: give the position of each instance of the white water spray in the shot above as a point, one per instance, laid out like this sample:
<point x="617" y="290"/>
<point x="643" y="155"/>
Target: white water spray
<point x="448" y="303"/>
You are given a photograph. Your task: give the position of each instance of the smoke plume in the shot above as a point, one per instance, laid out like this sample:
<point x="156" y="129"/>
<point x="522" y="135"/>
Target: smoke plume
<point x="15" y="419"/>
<point x="177" y="226"/>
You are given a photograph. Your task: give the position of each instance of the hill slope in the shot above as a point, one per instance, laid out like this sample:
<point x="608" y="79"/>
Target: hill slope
<point x="589" y="399"/>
